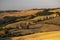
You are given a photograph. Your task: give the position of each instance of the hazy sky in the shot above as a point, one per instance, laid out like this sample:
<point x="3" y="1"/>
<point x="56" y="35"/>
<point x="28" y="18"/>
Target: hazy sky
<point x="28" y="4"/>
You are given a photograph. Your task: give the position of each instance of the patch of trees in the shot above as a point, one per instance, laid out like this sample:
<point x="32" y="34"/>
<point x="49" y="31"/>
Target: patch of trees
<point x="13" y="19"/>
<point x="7" y="20"/>
<point x="2" y="11"/>
<point x="10" y="11"/>
<point x="44" y="13"/>
<point x="24" y="25"/>
<point x="58" y="13"/>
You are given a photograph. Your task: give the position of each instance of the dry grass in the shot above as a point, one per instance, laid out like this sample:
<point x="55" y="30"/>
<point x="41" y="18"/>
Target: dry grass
<point x="39" y="18"/>
<point x="40" y="36"/>
<point x="18" y="14"/>
<point x="2" y="32"/>
<point x="22" y="13"/>
<point x="53" y="21"/>
<point x="42" y="26"/>
<point x="17" y="24"/>
<point x="56" y="10"/>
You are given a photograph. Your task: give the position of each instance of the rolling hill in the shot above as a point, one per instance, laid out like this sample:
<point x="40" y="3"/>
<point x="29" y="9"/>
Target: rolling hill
<point x="33" y="21"/>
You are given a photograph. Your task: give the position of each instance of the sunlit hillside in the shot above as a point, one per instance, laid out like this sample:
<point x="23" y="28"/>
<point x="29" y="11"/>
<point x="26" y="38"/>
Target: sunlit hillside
<point x="56" y="10"/>
<point x="40" y="36"/>
<point x="33" y="24"/>
<point x="20" y="13"/>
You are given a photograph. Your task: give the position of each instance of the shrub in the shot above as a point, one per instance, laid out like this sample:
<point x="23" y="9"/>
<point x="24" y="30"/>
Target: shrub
<point x="44" y="13"/>
<point x="24" y="25"/>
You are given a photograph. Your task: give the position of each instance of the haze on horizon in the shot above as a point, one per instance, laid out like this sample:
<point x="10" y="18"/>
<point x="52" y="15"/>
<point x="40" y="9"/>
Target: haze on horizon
<point x="28" y="4"/>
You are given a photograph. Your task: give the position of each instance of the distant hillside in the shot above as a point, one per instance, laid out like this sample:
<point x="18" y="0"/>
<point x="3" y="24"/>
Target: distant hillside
<point x="25" y="22"/>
